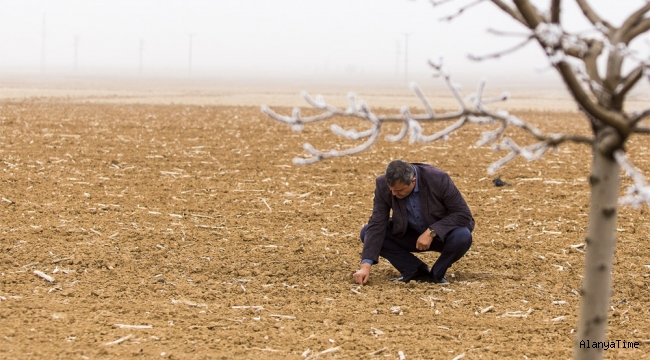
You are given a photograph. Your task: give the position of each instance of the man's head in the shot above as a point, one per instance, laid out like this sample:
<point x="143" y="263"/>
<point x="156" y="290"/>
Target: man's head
<point x="400" y="177"/>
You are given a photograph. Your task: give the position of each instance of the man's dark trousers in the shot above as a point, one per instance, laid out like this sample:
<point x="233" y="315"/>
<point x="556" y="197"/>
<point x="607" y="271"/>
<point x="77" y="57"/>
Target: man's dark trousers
<point x="398" y="250"/>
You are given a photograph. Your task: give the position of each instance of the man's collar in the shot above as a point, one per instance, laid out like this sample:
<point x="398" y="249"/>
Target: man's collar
<point x="417" y="183"/>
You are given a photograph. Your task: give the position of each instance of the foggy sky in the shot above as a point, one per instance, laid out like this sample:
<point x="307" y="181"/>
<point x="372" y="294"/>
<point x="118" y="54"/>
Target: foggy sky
<point x="268" y="39"/>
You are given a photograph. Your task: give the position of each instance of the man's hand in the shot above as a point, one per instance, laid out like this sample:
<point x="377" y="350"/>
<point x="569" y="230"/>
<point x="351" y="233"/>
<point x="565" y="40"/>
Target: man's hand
<point x="424" y="241"/>
<point x="362" y="275"/>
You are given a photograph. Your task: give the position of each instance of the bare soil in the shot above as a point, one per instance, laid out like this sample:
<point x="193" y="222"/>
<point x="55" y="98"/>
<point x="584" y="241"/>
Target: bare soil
<point x="191" y="222"/>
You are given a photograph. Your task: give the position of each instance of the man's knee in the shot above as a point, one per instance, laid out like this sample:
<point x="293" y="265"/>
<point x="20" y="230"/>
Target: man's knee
<point x="363" y="232"/>
<point x="461" y="238"/>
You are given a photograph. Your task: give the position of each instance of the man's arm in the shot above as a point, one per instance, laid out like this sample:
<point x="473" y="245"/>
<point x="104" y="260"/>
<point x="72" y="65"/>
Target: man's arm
<point x="374" y="235"/>
<point x="459" y="214"/>
<point x="378" y="222"/>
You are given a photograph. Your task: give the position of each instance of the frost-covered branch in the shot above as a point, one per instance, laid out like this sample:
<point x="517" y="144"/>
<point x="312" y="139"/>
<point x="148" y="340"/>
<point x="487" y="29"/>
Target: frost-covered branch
<point x="503" y="52"/>
<point x="509" y="10"/>
<point x="576" y="56"/>
<point x="639" y="29"/>
<point x="507" y="33"/>
<point x="472" y="110"/>
<point x="636" y="194"/>
<point x="555" y="11"/>
<point x="591" y="15"/>
<point x="636" y="24"/>
<point x="631" y="79"/>
<point x="460" y="10"/>
<point x="529" y="13"/>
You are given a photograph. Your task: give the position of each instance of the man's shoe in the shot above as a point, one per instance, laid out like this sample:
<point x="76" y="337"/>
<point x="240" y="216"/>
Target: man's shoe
<point x="442" y="280"/>
<point x="421" y="274"/>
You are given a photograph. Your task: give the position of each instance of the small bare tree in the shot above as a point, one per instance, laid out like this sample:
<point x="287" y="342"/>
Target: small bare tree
<point x="599" y="92"/>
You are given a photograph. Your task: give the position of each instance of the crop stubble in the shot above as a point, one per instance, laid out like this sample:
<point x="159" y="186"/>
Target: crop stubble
<point x="185" y="231"/>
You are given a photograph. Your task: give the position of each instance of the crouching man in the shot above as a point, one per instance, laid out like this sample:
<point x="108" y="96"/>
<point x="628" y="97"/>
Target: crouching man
<point x="429" y="214"/>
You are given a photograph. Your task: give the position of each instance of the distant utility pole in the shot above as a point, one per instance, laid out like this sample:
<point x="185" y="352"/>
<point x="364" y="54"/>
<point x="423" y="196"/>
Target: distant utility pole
<point x="397" y="53"/>
<point x="141" y="50"/>
<point x="406" y="57"/>
<point x="43" y="47"/>
<point x="189" y="70"/>
<point x="76" y="53"/>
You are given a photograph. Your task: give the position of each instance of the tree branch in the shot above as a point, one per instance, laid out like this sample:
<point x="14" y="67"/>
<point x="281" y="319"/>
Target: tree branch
<point x="591" y="15"/>
<point x="474" y="112"/>
<point x="529" y="13"/>
<point x="555" y="11"/>
<point x="637" y="118"/>
<point x="460" y="11"/>
<point x="439" y="2"/>
<point x="641" y="130"/>
<point x="591" y="58"/>
<point x="639" y="193"/>
<point x="642" y="27"/>
<point x="609" y="117"/>
<point x="630" y="80"/>
<point x="501" y="53"/>
<point x="509" y="10"/>
<point x="507" y="33"/>
<point x="634" y="19"/>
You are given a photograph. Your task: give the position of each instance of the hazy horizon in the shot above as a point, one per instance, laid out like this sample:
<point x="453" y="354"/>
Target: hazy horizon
<point x="353" y="41"/>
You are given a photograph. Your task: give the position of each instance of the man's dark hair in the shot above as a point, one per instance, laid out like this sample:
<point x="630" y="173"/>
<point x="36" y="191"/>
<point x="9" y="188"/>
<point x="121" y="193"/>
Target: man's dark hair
<point x="401" y="171"/>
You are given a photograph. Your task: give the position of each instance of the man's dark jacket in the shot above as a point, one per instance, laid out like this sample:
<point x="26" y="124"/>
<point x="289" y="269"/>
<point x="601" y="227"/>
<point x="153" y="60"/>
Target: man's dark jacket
<point x="443" y="207"/>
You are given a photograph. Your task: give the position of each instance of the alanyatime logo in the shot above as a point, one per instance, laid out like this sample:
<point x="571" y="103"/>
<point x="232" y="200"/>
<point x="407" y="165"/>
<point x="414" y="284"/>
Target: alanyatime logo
<point x="606" y="345"/>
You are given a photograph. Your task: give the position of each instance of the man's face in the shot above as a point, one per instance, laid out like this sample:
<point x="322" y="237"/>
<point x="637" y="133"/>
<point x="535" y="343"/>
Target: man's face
<point x="401" y="190"/>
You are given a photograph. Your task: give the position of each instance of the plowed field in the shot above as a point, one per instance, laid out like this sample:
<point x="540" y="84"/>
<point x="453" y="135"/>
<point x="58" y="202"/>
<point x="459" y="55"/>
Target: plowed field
<point x="185" y="232"/>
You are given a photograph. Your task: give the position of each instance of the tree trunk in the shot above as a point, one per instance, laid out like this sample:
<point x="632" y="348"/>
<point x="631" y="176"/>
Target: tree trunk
<point x="605" y="181"/>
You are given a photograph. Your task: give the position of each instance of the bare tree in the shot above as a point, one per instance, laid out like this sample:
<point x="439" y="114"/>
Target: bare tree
<point x="599" y="92"/>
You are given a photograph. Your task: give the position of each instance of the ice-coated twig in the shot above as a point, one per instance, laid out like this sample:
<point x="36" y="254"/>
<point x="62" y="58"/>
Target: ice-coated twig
<point x="549" y="34"/>
<point x="636" y="194"/>
<point x="639" y="116"/>
<point x="507" y="33"/>
<point x="444" y="134"/>
<point x="416" y="89"/>
<point x="318" y="155"/>
<point x="471" y="110"/>
<point x="501" y="53"/>
<point x="350" y="134"/>
<point x="499" y="163"/>
<point x="459" y="12"/>
<point x="489" y="137"/>
<point x="452" y="87"/>
<point x="477" y="98"/>
<point x="530" y="153"/>
<point x="439" y="2"/>
<point x="401" y="133"/>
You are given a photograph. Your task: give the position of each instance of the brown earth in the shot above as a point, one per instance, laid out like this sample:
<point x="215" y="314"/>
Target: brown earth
<point x="192" y="221"/>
